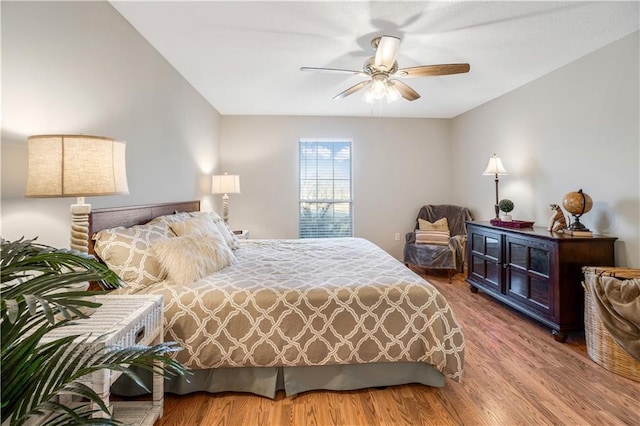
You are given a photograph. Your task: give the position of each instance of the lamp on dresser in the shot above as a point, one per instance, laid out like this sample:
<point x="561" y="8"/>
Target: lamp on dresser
<point x="495" y="168"/>
<point x="76" y="166"/>
<point x="225" y="184"/>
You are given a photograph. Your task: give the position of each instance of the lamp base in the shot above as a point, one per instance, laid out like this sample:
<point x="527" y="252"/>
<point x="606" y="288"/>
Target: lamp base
<point x="496" y="207"/>
<point x="80" y="227"/>
<point x="225" y="208"/>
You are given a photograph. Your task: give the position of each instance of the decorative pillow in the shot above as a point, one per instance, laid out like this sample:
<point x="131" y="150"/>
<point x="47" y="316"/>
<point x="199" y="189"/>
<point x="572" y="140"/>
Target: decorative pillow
<point x="231" y="240"/>
<point x="433" y="237"/>
<point x="199" y="226"/>
<point x="127" y="251"/>
<point x="170" y="218"/>
<point x="189" y="258"/>
<point x="438" y="225"/>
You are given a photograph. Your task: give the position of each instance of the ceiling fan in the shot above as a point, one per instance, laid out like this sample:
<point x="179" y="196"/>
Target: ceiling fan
<point x="383" y="73"/>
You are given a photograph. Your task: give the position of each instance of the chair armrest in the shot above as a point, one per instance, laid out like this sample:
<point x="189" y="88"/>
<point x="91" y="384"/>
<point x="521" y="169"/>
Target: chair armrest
<point x="458" y="241"/>
<point x="410" y="237"/>
<point x="461" y="239"/>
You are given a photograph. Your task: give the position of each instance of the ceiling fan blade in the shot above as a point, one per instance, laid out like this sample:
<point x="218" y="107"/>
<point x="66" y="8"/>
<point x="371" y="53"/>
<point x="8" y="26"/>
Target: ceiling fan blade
<point x="334" y="71"/>
<point x="407" y="92"/>
<point x="352" y="89"/>
<point x="432" y="70"/>
<point x="386" y="52"/>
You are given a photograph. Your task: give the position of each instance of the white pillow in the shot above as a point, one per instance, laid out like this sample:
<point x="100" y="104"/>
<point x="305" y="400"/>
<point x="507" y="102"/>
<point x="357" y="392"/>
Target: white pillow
<point x="189" y="258"/>
<point x="231" y="238"/>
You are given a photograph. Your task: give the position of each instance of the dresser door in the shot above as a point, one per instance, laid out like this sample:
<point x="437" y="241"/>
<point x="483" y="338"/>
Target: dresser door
<point x="527" y="279"/>
<point x="485" y="258"/>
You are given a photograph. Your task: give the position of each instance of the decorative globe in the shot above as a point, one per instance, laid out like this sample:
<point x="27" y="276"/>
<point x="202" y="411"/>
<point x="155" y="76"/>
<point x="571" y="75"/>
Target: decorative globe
<point x="577" y="203"/>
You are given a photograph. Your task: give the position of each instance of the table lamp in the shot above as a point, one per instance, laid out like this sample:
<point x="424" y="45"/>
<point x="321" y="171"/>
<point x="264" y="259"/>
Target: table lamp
<point x="225" y="184"/>
<point x="76" y="166"/>
<point x="495" y="168"/>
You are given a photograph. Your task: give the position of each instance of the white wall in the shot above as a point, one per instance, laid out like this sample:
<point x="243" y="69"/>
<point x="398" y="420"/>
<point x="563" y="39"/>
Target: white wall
<point x="398" y="166"/>
<point x="79" y="67"/>
<point x="574" y="128"/>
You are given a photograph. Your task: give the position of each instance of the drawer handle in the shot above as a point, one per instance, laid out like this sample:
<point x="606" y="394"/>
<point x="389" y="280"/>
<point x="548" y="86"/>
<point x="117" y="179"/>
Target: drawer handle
<point x="140" y="334"/>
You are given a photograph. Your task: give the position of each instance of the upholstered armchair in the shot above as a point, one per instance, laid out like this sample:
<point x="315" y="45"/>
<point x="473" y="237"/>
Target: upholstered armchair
<point x="438" y="249"/>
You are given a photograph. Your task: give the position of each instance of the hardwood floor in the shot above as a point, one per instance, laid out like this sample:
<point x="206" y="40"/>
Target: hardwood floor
<point x="515" y="374"/>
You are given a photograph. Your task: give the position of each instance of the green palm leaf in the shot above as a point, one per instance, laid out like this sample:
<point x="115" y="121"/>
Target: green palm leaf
<point x="35" y="372"/>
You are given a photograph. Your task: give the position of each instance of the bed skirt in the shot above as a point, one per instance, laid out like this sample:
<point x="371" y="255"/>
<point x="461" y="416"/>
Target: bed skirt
<point x="266" y="381"/>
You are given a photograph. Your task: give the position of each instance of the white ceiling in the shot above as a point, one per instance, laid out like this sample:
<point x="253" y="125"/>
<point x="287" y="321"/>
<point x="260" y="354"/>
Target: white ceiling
<point x="244" y="57"/>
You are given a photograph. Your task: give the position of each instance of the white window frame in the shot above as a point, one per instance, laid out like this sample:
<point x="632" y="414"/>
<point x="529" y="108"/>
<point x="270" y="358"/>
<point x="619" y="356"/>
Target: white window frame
<point x="334" y="201"/>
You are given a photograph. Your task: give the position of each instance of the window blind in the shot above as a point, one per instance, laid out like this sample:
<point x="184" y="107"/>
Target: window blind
<point x="325" y="189"/>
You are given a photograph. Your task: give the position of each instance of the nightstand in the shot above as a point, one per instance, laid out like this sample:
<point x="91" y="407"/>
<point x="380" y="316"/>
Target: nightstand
<point x="123" y="321"/>
<point x="242" y="234"/>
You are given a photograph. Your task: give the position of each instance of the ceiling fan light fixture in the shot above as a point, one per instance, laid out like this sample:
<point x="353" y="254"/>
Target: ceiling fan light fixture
<point x="393" y="94"/>
<point x="375" y="93"/>
<point x="379" y="86"/>
<point x="384" y="75"/>
<point x="382" y="88"/>
<point x="368" y="96"/>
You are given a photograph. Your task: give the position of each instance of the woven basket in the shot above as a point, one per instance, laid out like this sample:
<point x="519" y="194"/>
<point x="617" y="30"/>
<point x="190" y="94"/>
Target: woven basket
<point x="600" y="345"/>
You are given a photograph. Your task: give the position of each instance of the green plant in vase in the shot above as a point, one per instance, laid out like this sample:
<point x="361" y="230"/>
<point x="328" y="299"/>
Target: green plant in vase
<point x="506" y="207"/>
<point x="34" y="373"/>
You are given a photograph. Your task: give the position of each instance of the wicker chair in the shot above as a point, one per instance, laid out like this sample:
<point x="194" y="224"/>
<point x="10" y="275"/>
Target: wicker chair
<point x="449" y="257"/>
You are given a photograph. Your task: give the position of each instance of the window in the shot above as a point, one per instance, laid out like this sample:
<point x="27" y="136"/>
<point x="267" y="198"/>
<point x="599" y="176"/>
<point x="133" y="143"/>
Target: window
<point x="325" y="189"/>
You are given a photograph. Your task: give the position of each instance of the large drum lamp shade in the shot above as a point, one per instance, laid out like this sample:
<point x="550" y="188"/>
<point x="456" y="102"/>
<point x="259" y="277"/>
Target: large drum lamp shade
<point x="76" y="166"/>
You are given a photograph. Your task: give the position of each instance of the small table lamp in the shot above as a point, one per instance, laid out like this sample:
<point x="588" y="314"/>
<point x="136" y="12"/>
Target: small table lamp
<point x="495" y="168"/>
<point x="225" y="184"/>
<point x="76" y="166"/>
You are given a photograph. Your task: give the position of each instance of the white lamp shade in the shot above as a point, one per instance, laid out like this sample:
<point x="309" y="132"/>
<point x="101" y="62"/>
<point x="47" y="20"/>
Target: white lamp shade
<point x="495" y="167"/>
<point x="393" y="94"/>
<point x="225" y="184"/>
<point x="76" y="166"/>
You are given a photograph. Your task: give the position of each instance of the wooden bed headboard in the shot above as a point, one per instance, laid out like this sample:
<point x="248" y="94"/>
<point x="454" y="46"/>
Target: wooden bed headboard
<point x="100" y="219"/>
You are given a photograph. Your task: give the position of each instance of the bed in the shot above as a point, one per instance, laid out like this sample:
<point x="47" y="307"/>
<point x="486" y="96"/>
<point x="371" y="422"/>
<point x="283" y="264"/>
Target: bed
<point x="292" y="315"/>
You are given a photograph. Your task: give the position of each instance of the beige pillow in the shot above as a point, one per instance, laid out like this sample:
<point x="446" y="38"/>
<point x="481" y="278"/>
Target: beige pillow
<point x="433" y="237"/>
<point x="199" y="226"/>
<point x="189" y="258"/>
<point x="438" y="225"/>
<point x="224" y="230"/>
<point x="170" y="218"/>
<point x="127" y="252"/>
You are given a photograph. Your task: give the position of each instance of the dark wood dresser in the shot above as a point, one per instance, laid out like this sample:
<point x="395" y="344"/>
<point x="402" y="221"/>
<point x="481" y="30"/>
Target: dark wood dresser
<point x="537" y="272"/>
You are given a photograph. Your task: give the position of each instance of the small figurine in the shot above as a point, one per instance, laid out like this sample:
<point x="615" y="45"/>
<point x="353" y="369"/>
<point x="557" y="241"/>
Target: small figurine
<point x="557" y="222"/>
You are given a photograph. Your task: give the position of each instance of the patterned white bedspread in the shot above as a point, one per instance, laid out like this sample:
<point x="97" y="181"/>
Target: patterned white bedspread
<point x="311" y="302"/>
